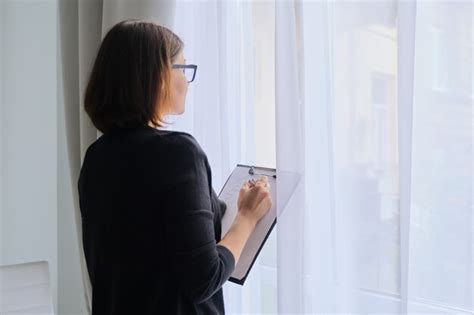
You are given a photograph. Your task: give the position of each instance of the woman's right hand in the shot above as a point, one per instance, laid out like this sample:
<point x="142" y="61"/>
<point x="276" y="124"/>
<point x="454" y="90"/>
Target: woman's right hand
<point x="254" y="200"/>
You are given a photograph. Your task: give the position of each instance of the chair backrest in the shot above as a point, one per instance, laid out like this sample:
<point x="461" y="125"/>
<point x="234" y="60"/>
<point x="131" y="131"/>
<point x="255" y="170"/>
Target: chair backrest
<point x="25" y="289"/>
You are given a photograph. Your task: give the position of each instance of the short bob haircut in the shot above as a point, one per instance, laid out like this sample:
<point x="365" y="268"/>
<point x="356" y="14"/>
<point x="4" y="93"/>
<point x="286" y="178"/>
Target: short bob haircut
<point x="129" y="84"/>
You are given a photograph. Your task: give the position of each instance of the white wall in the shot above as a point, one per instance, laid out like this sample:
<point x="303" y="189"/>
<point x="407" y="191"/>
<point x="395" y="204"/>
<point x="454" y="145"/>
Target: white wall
<point x="28" y="135"/>
<point x="1" y="130"/>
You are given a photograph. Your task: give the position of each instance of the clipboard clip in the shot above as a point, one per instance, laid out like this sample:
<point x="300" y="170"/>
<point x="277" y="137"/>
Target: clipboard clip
<point x="252" y="172"/>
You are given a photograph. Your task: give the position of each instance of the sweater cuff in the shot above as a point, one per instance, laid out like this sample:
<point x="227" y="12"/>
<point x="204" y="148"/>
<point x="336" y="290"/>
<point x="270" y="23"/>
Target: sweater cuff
<point x="227" y="258"/>
<point x="223" y="207"/>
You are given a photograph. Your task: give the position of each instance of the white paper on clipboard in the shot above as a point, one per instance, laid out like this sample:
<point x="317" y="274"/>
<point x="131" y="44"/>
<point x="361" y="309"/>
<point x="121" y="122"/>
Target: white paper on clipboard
<point x="230" y="194"/>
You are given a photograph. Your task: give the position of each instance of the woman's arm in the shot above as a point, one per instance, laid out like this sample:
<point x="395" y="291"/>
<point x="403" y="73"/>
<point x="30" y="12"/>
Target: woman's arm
<point x="238" y="234"/>
<point x="253" y="203"/>
<point x="200" y="266"/>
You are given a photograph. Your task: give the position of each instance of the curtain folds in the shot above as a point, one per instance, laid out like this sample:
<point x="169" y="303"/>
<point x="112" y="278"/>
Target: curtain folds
<point x="380" y="222"/>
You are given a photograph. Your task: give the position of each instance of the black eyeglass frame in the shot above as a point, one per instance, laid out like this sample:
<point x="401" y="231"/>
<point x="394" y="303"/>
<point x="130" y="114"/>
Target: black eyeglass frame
<point x="194" y="67"/>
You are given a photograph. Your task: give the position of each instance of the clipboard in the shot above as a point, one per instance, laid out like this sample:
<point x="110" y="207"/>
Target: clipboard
<point x="230" y="194"/>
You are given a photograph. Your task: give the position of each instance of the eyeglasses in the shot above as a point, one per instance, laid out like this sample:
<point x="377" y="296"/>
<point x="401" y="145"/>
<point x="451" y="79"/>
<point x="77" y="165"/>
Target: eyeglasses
<point x="188" y="70"/>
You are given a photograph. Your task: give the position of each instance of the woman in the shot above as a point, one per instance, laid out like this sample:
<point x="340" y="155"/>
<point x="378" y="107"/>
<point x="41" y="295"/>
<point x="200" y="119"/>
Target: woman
<point x="151" y="219"/>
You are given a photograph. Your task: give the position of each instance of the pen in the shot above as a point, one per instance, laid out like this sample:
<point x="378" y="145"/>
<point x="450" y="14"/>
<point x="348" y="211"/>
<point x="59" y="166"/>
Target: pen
<point x="252" y="182"/>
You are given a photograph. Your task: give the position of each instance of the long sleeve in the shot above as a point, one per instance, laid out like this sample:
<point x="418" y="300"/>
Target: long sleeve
<point x="200" y="265"/>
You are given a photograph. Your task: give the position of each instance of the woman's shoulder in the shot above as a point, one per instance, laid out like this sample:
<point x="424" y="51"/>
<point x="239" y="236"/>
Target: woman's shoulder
<point x="181" y="152"/>
<point x="182" y="143"/>
<point x="179" y="136"/>
<point x="147" y="140"/>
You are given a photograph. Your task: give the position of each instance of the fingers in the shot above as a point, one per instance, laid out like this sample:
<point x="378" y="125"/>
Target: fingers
<point x="265" y="200"/>
<point x="245" y="187"/>
<point x="251" y="183"/>
<point x="263" y="181"/>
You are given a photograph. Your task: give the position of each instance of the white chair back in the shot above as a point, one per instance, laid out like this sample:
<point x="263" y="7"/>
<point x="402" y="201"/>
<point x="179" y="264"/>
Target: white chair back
<point x="25" y="289"/>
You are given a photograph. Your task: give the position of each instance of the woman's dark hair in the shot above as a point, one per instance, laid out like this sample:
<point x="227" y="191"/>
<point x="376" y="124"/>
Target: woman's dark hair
<point x="130" y="81"/>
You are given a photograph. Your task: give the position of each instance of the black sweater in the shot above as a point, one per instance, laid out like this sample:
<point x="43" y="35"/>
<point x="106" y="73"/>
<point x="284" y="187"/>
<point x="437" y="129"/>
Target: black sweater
<point x="151" y="222"/>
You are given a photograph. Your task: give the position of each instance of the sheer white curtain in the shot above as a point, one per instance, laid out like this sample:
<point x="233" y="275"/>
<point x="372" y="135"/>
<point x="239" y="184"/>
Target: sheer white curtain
<point x="441" y="247"/>
<point x="348" y="88"/>
<point x="379" y="96"/>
